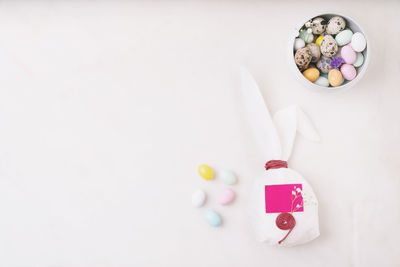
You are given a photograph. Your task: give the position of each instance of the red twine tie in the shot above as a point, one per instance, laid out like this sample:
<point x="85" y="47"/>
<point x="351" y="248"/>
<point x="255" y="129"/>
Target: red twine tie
<point x="285" y="221"/>
<point x="275" y="164"/>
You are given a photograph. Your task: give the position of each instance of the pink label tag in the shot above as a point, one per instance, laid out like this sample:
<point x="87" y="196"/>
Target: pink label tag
<point x="283" y="198"/>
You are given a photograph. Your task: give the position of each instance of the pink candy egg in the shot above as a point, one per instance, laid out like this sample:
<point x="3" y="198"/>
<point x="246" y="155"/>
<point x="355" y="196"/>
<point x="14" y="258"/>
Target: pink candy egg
<point x="348" y="54"/>
<point x="348" y="71"/>
<point x="226" y="196"/>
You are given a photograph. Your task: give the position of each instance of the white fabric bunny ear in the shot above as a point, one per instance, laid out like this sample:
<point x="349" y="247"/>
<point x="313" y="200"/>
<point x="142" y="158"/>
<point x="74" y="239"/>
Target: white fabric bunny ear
<point x="287" y="122"/>
<point x="275" y="137"/>
<point x="260" y="121"/>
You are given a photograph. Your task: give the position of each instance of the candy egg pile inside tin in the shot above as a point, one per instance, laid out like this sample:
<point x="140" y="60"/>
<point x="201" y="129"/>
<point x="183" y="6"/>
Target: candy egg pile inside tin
<point x="327" y="52"/>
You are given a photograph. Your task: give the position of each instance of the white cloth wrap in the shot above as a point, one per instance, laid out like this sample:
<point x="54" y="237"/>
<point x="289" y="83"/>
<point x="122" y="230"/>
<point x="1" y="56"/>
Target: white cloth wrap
<point x="307" y="225"/>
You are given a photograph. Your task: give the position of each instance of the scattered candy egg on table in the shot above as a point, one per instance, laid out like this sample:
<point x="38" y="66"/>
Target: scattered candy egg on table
<point x="213" y="218"/>
<point x="318" y="25"/>
<point x="344" y="37"/>
<point x="319" y="40"/>
<point x="335" y="77"/>
<point x="226" y="196"/>
<point x="198" y="198"/>
<point x="335" y="25"/>
<point x="228" y="177"/>
<point x="359" y="60"/>
<point x="206" y="172"/>
<point x="348" y="54"/>
<point x="298" y="43"/>
<point x="324" y="64"/>
<point x="329" y="46"/>
<point x="303" y="57"/>
<point x="311" y="74"/>
<point x="348" y="71"/>
<point x="315" y="52"/>
<point x="358" y="42"/>
<point x="322" y="81"/>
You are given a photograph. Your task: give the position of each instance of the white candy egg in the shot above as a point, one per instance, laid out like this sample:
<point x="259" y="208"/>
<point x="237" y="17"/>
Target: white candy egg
<point x="298" y="43"/>
<point x="358" y="42"/>
<point x="198" y="198"/>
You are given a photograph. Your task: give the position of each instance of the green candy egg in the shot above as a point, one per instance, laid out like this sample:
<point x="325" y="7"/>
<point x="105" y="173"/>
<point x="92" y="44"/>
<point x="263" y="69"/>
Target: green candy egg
<point x="228" y="177"/>
<point x="322" y="81"/>
<point x="306" y="36"/>
<point x="359" y="60"/>
<point x="344" y="37"/>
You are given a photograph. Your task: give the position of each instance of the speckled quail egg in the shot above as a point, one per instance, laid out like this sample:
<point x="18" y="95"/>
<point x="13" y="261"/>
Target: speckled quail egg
<point x="315" y="52"/>
<point x="324" y="64"/>
<point x="329" y="46"/>
<point x="335" y="25"/>
<point x="303" y="57"/>
<point x="318" y="25"/>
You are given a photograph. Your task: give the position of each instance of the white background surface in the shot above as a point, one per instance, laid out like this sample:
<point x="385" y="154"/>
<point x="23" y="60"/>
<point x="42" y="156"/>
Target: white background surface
<point x="107" y="108"/>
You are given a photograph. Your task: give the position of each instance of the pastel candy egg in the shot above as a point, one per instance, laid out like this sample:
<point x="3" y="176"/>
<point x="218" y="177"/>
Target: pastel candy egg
<point x="319" y="40"/>
<point x="213" y="218"/>
<point x="329" y="46"/>
<point x="359" y="60"/>
<point x="198" y="198"/>
<point x="348" y="54"/>
<point x="206" y="172"/>
<point x="302" y="33"/>
<point x="228" y="177"/>
<point x="306" y="36"/>
<point x="348" y="71"/>
<point x="322" y="81"/>
<point x="311" y="74"/>
<point x="358" y="42"/>
<point x="335" y="78"/>
<point x="226" y="197"/>
<point x="344" y="37"/>
<point x="298" y="43"/>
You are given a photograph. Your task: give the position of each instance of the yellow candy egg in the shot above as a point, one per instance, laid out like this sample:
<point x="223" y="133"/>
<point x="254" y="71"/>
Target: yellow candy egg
<point x="311" y="74"/>
<point x="335" y="78"/>
<point x="206" y="172"/>
<point x="319" y="40"/>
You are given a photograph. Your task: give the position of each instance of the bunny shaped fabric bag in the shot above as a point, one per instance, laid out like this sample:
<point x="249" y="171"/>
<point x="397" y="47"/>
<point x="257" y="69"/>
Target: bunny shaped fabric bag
<point x="283" y="207"/>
